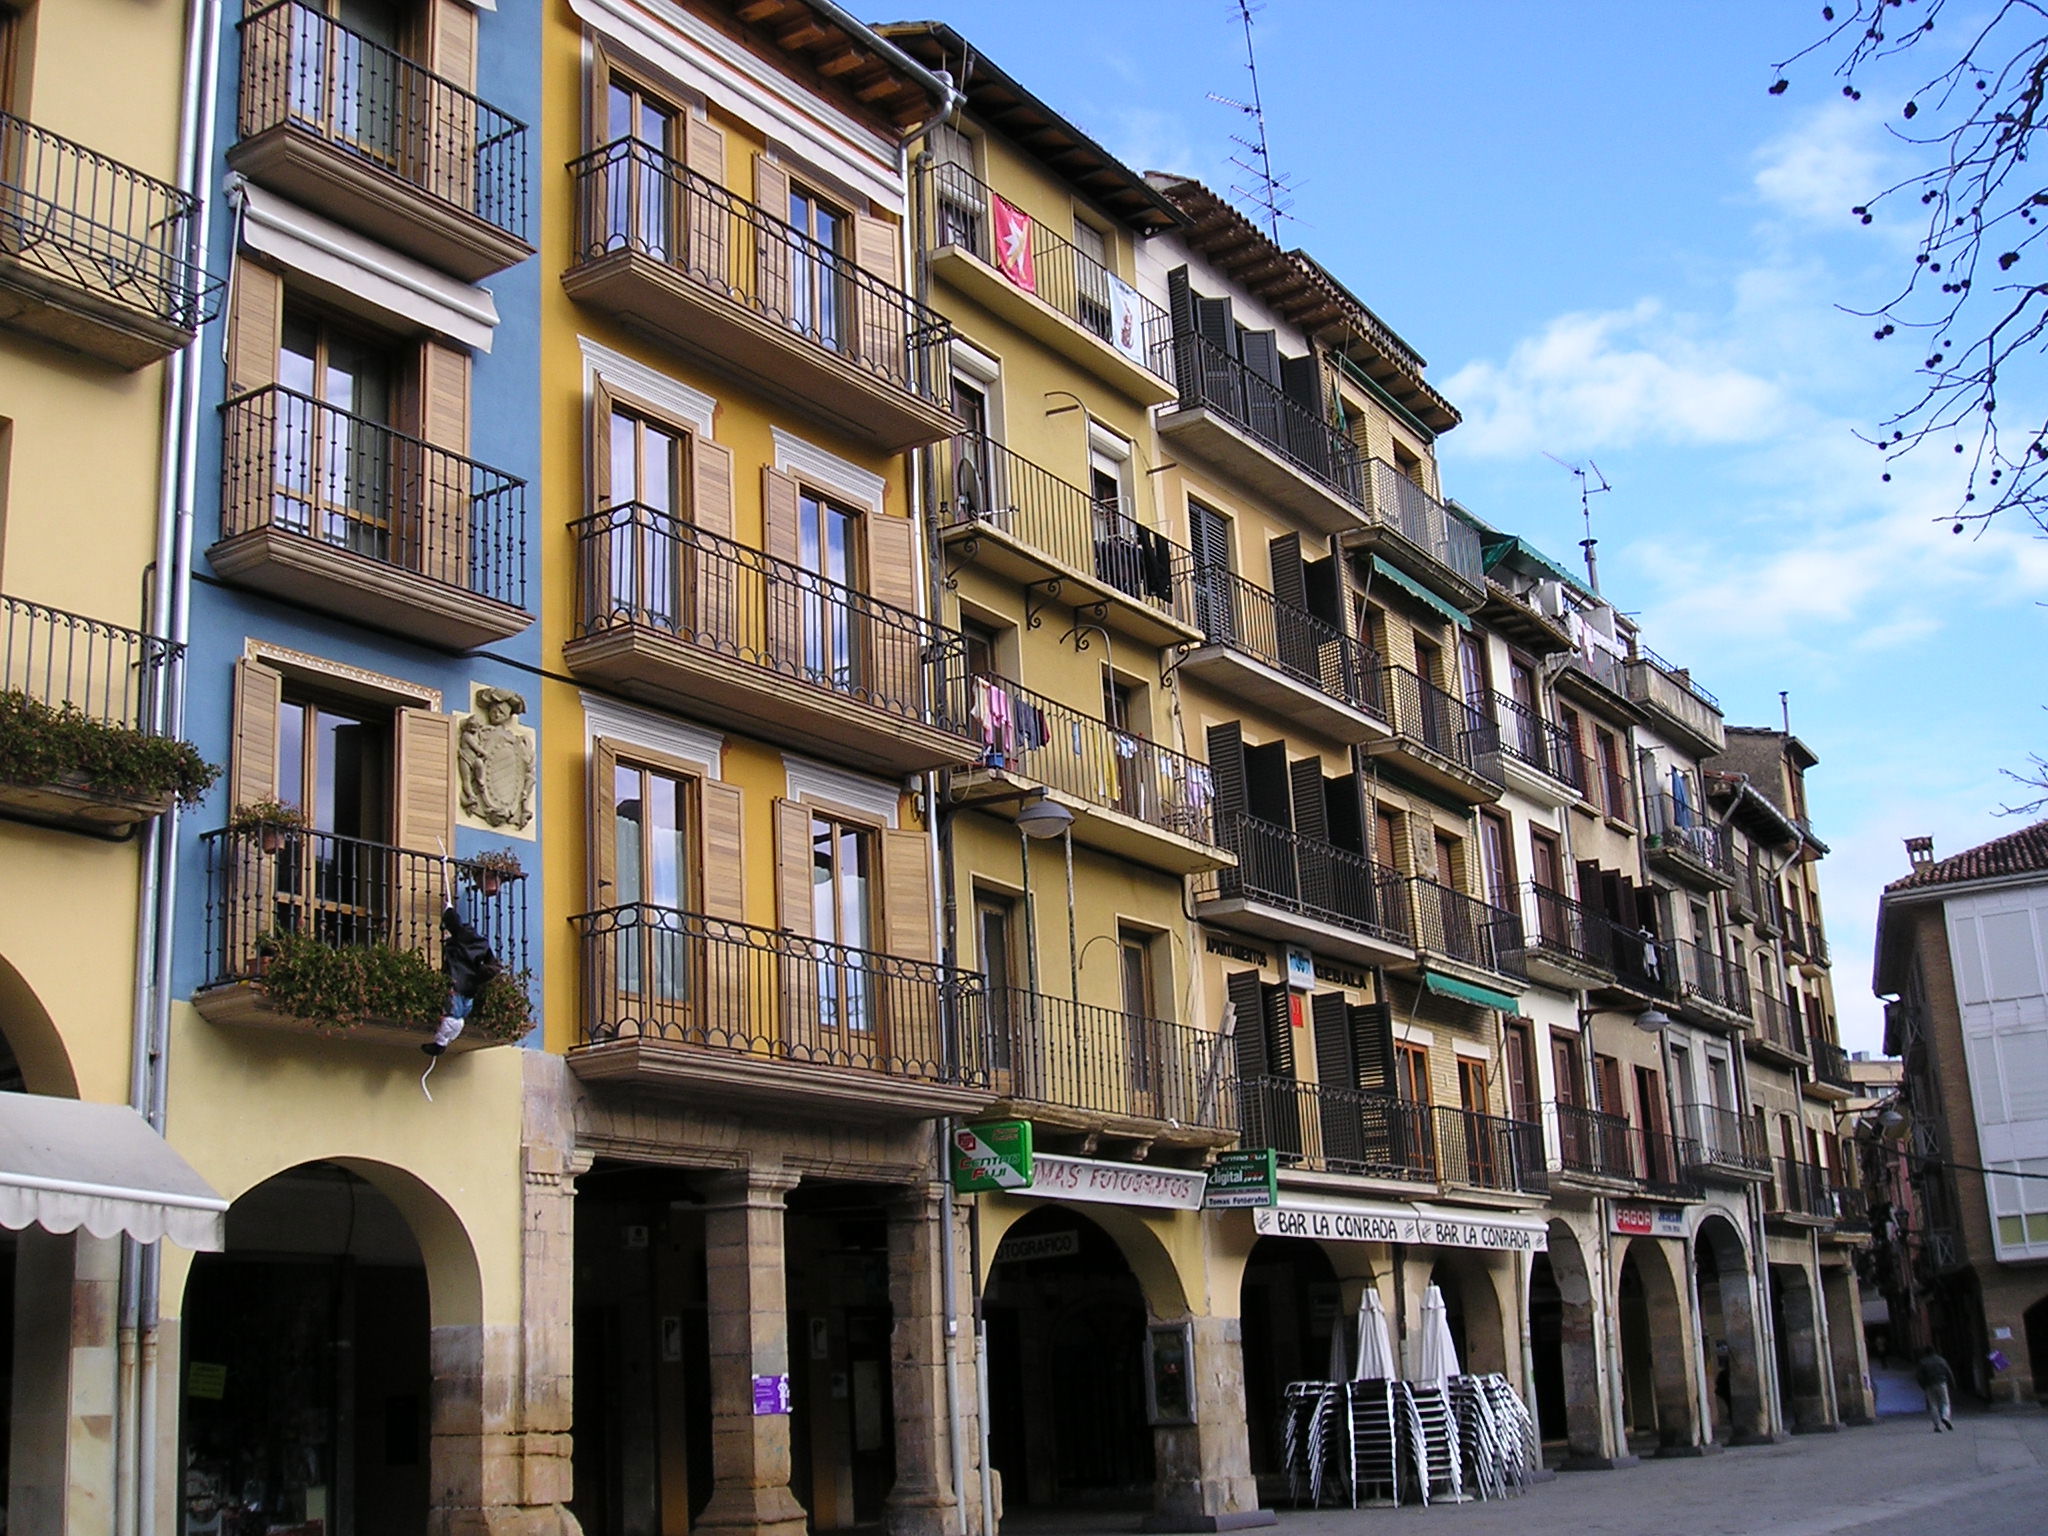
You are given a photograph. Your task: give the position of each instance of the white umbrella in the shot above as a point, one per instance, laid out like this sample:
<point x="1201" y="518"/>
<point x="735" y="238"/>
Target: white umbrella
<point x="1436" y="1357"/>
<point x="1375" y="1350"/>
<point x="1336" y="1368"/>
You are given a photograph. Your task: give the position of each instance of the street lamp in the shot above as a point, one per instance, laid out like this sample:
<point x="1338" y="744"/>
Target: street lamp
<point x="1043" y="817"/>
<point x="1652" y="1019"/>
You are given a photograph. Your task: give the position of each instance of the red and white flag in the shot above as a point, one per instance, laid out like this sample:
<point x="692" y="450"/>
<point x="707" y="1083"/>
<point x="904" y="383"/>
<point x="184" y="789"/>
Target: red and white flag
<point x="1013" y="244"/>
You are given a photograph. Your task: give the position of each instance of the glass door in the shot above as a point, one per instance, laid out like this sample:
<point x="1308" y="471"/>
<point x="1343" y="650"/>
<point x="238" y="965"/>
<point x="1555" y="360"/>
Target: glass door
<point x="651" y="844"/>
<point x="333" y="469"/>
<point x="645" y="495"/>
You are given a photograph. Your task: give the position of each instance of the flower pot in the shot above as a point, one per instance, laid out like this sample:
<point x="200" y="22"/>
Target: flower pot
<point x="489" y="882"/>
<point x="271" y="839"/>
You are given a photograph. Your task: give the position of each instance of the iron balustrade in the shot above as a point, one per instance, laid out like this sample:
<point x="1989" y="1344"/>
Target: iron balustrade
<point x="1776" y="1024"/>
<point x="1450" y="923"/>
<point x="1593" y="1142"/>
<point x="630" y="197"/>
<point x="100" y="226"/>
<point x="1851" y="1207"/>
<point x="1602" y="666"/>
<point x="1333" y="1129"/>
<point x="107" y="673"/>
<point x="982" y="483"/>
<point x="1232" y="612"/>
<point x="1051" y="1050"/>
<point x="1807" y="940"/>
<point x="1654" y="681"/>
<point x="1663" y="1164"/>
<point x="1397" y="502"/>
<point x="1706" y="977"/>
<point x="1831" y="1065"/>
<point x="653" y="973"/>
<point x="1538" y="743"/>
<point x="1684" y="831"/>
<point x="1800" y="1188"/>
<point x="1482" y="1151"/>
<point x="1564" y="927"/>
<point x="1725" y="1138"/>
<point x="1210" y="378"/>
<point x="1277" y="866"/>
<point x="303" y="70"/>
<point x="1063" y="275"/>
<point x="1038" y="738"/>
<point x="1795" y="928"/>
<point x="301" y="466"/>
<point x="347" y="892"/>
<point x="639" y="566"/>
<point x="1443" y="723"/>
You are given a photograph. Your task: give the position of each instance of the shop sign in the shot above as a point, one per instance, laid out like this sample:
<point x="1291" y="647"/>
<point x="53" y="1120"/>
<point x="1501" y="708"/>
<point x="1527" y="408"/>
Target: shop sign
<point x="1241" y="1179"/>
<point x="1082" y="1178"/>
<point x="1048" y="1245"/>
<point x="1648" y="1221"/>
<point x="1301" y="969"/>
<point x="993" y="1155"/>
<point x="771" y="1395"/>
<point x="1394" y="1225"/>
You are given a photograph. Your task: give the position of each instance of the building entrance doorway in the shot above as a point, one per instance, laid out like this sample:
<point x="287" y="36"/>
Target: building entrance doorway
<point x="1291" y="1303"/>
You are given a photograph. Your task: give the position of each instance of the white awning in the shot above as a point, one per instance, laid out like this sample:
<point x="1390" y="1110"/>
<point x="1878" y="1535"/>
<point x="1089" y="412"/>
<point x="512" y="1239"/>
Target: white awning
<point x="66" y="1164"/>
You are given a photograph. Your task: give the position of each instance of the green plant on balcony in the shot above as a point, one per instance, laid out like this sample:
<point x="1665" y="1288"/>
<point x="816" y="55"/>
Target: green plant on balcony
<point x="490" y="870"/>
<point x="337" y="987"/>
<point x="269" y="821"/>
<point x="60" y="744"/>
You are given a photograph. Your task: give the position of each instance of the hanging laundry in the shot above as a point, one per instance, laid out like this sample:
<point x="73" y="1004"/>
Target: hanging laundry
<point x="1013" y="244"/>
<point x="1158" y="556"/>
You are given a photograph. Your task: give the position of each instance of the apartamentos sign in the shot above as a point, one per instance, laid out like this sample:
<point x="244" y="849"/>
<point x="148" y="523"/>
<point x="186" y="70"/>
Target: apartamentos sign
<point x="1400" y="1224"/>
<point x="1081" y="1178"/>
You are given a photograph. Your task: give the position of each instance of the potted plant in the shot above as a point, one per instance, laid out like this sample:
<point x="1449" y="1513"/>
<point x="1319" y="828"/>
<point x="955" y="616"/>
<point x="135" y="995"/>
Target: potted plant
<point x="270" y="820"/>
<point x="489" y="871"/>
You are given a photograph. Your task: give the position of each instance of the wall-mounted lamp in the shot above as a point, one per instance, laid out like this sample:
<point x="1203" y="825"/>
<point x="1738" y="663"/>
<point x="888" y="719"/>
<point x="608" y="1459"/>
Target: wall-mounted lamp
<point x="1043" y="817"/>
<point x="1650" y="1020"/>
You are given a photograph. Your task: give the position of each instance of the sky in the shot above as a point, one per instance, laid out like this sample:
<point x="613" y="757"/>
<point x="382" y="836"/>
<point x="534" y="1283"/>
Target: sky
<point x="1612" y="243"/>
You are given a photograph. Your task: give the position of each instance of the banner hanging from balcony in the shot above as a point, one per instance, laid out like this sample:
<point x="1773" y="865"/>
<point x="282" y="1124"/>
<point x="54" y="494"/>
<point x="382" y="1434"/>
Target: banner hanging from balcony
<point x="1013" y="244"/>
<point x="1125" y="315"/>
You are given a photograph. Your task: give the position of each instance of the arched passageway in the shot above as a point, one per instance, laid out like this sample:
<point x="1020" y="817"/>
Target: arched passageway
<point x="1728" y="1332"/>
<point x="1657" y="1406"/>
<point x="1566" y="1359"/>
<point x="1291" y="1301"/>
<point x="1472" y="1306"/>
<point x="1795" y="1328"/>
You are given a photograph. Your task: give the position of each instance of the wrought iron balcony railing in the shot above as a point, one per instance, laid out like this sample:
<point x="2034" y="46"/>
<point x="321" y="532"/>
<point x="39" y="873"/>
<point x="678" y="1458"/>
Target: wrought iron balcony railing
<point x="1312" y="651"/>
<point x="1442" y="723"/>
<point x="630" y="197"/>
<point x="984" y="484"/>
<point x="1277" y="866"/>
<point x="1537" y="743"/>
<point x="1450" y="923"/>
<point x="1398" y="502"/>
<point x="1776" y="1024"/>
<point x="1704" y="976"/>
<point x="1664" y="1164"/>
<point x="1040" y="739"/>
<point x="108" y="673"/>
<point x="1800" y="1188"/>
<point x="1565" y="928"/>
<point x="1482" y="1151"/>
<point x="1851" y="1207"/>
<point x="300" y="466"/>
<point x="1593" y="1143"/>
<point x="1209" y="378"/>
<point x="1726" y="1138"/>
<point x="1683" y="832"/>
<point x="1672" y="693"/>
<point x="637" y="565"/>
<point x="302" y="69"/>
<point x="655" y="974"/>
<point x="346" y="892"/>
<point x="99" y="226"/>
<point x="1050" y="1050"/>
<point x="1831" y="1065"/>
<point x="1332" y="1129"/>
<point x="1064" y="276"/>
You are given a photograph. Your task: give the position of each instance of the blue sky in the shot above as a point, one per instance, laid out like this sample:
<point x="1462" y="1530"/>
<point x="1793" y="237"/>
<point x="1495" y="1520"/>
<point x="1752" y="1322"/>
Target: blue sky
<point x="1610" y="241"/>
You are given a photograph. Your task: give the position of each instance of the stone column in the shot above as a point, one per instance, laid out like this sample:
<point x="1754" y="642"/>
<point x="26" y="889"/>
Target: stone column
<point x="1203" y="1471"/>
<point x="923" y="1501"/>
<point x="61" y="1471"/>
<point x="746" y="1279"/>
<point x="1841" y="1294"/>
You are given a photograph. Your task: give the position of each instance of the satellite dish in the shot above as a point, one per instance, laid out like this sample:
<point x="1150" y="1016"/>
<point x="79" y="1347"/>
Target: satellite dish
<point x="966" y="486"/>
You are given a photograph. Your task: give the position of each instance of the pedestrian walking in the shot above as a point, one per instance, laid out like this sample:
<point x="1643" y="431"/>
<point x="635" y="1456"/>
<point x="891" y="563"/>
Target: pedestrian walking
<point x="1936" y="1379"/>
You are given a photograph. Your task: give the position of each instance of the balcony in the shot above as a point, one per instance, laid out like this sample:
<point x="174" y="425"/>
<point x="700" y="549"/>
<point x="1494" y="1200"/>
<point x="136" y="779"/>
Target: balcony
<point x="346" y="515"/>
<point x="681" y="617"/>
<point x="1418" y="533"/>
<point x="1726" y="1146"/>
<point x="1002" y="511"/>
<point x="728" y="1014"/>
<point x="1686" y="845"/>
<point x="1565" y="944"/>
<point x="1779" y="1036"/>
<point x="1245" y="425"/>
<point x="1450" y="926"/>
<point x="1670" y="694"/>
<point x="1751" y="900"/>
<point x="1075" y="305"/>
<point x="1707" y="983"/>
<point x="1490" y="1153"/>
<point x="1664" y="1165"/>
<point x="1440" y="739"/>
<point x="316" y="934"/>
<point x="84" y="747"/>
<point x="1285" y="659"/>
<point x="1852" y="1209"/>
<point x="1129" y="796"/>
<point x="1831" y="1077"/>
<point x="1328" y="1129"/>
<point x="1298" y="890"/>
<point x="361" y="133"/>
<point x="1101" y="1070"/>
<point x="93" y="252"/>
<point x="1807" y="945"/>
<point x="676" y="255"/>
<point x="1800" y="1194"/>
<point x="1595" y="1149"/>
<point x="1536" y="757"/>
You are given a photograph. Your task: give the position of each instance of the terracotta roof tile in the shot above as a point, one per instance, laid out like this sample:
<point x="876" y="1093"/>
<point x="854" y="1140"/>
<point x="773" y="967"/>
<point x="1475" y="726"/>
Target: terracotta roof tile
<point x="2017" y="853"/>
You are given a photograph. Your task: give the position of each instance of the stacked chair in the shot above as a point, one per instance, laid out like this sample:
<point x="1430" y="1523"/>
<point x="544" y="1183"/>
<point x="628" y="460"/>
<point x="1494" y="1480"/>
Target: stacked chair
<point x="1382" y="1441"/>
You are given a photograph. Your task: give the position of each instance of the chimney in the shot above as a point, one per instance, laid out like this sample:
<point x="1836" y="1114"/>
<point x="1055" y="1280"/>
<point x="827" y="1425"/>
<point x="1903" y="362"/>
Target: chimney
<point x="1920" y="850"/>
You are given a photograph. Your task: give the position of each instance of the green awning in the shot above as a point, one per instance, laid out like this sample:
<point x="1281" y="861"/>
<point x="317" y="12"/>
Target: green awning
<point x="1419" y="592"/>
<point x="1470" y="992"/>
<point x="1494" y="553"/>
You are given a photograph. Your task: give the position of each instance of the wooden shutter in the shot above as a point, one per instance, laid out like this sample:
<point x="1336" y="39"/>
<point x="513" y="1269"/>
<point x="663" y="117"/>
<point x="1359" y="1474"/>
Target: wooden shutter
<point x="881" y="324"/>
<point x="425" y="825"/>
<point x="1209" y="543"/>
<point x="877" y="248"/>
<point x="436" y="502"/>
<point x="1607" y="1078"/>
<point x="793" y="867"/>
<point x="1244" y="990"/>
<point x="1284" y="1120"/>
<point x="772" y="257"/>
<point x="1372" y="1047"/>
<point x="908" y="911"/>
<point x="251" y="874"/>
<point x="706" y="214"/>
<point x="1285" y="554"/>
<point x="1312" y="860"/>
<point x="1331" y="1017"/>
<point x="715" y="569"/>
<point x="896" y="677"/>
<point x="449" y="123"/>
<point x="721" y="887"/>
<point x="704" y="151"/>
<point x="1226" y="774"/>
<point x="779" y="502"/>
<point x="1519" y="1052"/>
<point x="1214" y="363"/>
<point x="782" y="600"/>
<point x="255" y="330"/>
<point x="451" y="42"/>
<point x="604" y="833"/>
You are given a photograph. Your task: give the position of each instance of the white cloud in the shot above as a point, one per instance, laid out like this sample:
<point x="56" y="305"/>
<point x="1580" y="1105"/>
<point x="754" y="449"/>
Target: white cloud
<point x="1836" y="158"/>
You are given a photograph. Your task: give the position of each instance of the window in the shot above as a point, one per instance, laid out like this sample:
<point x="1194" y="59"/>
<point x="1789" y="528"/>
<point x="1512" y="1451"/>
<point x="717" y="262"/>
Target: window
<point x="640" y="204"/>
<point x="1614" y="783"/>
<point x="995" y="920"/>
<point x="828" y="546"/>
<point x="1546" y="863"/>
<point x="343" y="84"/>
<point x="1566" y="1066"/>
<point x="1499" y="858"/>
<point x="1411" y="1072"/>
<point x="1386" y="826"/>
<point x="962" y="205"/>
<point x="1607" y="1081"/>
<point x="332" y="459"/>
<point x="1141" y="1013"/>
<point x="1091" y="278"/>
<point x="821" y="240"/>
<point x="982" y="642"/>
<point x="1473" y="671"/>
<point x="1518" y="1051"/>
<point x="653" y="861"/>
<point x="645" y="481"/>
<point x="334" y="763"/>
<point x="843" y="913"/>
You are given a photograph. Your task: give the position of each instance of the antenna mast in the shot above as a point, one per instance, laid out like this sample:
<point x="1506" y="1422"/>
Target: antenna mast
<point x="1269" y="194"/>
<point x="1584" y="474"/>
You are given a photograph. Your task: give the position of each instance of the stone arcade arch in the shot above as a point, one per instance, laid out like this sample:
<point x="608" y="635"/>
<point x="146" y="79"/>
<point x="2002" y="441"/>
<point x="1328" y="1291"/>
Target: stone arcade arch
<point x="1802" y="1391"/>
<point x="1657" y="1389"/>
<point x="1563" y="1328"/>
<point x="1290" y="1300"/>
<point x="1727" y="1313"/>
<point x="1471" y="1291"/>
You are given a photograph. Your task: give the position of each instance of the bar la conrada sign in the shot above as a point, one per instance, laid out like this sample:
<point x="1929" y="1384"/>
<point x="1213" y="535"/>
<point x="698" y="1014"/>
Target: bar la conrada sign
<point x="1421" y="1224"/>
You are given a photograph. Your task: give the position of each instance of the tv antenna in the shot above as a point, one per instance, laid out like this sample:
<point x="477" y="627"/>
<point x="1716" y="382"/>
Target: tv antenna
<point x="1271" y="195"/>
<point x="1586" y="474"/>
